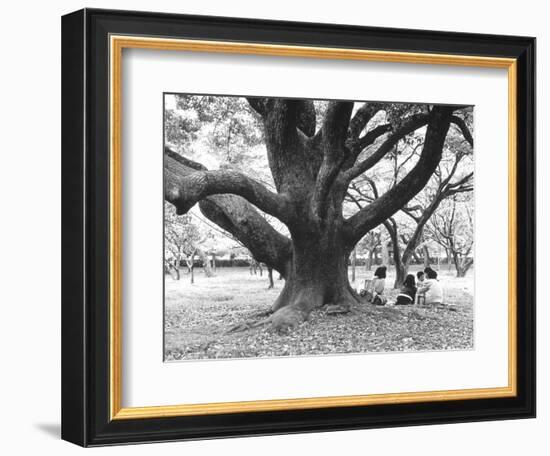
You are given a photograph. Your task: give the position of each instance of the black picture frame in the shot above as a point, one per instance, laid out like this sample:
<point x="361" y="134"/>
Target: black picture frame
<point x="85" y="228"/>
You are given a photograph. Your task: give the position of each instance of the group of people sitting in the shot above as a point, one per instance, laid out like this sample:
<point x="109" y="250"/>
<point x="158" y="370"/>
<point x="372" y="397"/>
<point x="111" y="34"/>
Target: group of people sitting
<point x="427" y="291"/>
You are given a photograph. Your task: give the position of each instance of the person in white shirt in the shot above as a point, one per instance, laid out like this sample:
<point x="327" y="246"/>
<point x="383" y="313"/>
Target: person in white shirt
<point x="378" y="285"/>
<point x="431" y="289"/>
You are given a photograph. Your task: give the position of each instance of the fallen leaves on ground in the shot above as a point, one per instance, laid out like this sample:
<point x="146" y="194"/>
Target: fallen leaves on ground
<point x="196" y="328"/>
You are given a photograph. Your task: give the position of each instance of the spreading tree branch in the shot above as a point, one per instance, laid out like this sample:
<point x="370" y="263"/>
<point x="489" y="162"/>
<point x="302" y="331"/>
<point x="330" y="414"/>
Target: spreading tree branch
<point x="334" y="133"/>
<point x="238" y="217"/>
<point x="398" y="196"/>
<point x="407" y="127"/>
<point x="185" y="190"/>
<point x="361" y="118"/>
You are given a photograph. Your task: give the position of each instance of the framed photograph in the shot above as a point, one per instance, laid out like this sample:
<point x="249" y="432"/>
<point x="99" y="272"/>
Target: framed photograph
<point x="278" y="227"/>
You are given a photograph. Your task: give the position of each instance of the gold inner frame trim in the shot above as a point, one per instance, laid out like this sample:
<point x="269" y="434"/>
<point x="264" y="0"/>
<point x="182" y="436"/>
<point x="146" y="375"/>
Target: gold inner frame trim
<point x="117" y="44"/>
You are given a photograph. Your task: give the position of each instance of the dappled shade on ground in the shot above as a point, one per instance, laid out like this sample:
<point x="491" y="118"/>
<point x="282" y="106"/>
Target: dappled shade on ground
<point x="197" y="318"/>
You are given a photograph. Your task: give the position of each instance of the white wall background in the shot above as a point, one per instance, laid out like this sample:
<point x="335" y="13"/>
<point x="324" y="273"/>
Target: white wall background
<point x="30" y="229"/>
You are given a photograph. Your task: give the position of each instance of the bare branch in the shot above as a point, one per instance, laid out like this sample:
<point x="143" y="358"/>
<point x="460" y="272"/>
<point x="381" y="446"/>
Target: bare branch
<point x="409" y="125"/>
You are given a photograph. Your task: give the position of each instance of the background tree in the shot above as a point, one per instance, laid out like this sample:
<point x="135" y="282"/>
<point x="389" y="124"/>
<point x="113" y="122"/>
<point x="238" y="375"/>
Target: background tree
<point x="369" y="246"/>
<point x="452" y="228"/>
<point x="183" y="241"/>
<point x="312" y="161"/>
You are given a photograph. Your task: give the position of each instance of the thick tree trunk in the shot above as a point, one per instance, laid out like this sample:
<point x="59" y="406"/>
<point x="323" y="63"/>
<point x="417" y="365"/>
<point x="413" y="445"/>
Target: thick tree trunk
<point x="401" y="271"/>
<point x="318" y="276"/>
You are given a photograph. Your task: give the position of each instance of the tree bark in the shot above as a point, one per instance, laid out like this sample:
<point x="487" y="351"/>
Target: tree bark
<point x="319" y="277"/>
<point x="353" y="264"/>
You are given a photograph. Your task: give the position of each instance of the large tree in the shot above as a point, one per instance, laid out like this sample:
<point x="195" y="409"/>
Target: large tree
<point x="312" y="162"/>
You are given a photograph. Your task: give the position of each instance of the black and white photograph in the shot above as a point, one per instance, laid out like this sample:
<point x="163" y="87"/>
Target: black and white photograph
<point x="303" y="227"/>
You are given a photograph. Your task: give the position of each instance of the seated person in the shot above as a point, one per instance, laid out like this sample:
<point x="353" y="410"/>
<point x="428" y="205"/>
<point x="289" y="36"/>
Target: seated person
<point x="431" y="289"/>
<point x="378" y="285"/>
<point x="407" y="293"/>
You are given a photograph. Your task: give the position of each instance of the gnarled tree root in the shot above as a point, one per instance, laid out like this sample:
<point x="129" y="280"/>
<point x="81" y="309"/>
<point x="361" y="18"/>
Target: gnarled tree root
<point x="285" y="319"/>
<point x="281" y="321"/>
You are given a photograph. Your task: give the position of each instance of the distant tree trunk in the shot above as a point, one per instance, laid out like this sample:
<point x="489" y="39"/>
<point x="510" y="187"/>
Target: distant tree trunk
<point x="426" y="254"/>
<point x="270" y="276"/>
<point x="385" y="254"/>
<point x="214" y="262"/>
<point x="449" y="259"/>
<point x="172" y="269"/>
<point x="261" y="269"/>
<point x="401" y="262"/>
<point x="190" y="260"/>
<point x="462" y="265"/>
<point x="205" y="263"/>
<point x="176" y="273"/>
<point x="368" y="262"/>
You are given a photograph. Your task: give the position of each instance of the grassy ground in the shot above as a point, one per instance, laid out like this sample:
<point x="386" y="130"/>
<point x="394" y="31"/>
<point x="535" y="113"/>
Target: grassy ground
<point x="197" y="317"/>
